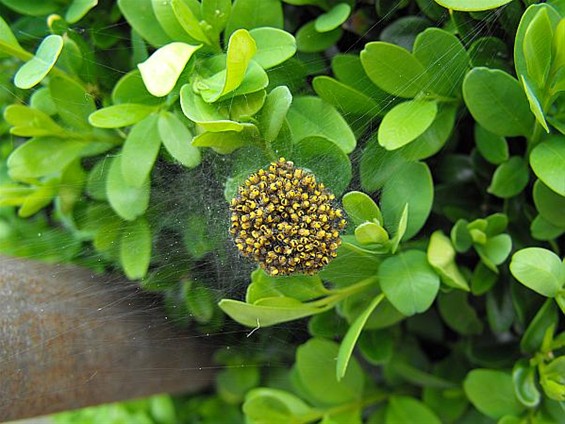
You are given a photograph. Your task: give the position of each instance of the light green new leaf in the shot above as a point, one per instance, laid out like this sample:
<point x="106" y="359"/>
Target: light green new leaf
<point x="8" y="42"/>
<point x="189" y="21"/>
<point x="548" y="162"/>
<point x="497" y="102"/>
<point x="441" y="256"/>
<point x="274" y="112"/>
<point x="404" y="409"/>
<point x="274" y="46"/>
<point x="537" y="46"/>
<point x="131" y="89"/>
<point x="141" y="17"/>
<point x="127" y="201"/>
<point x="140" y="151"/>
<point x="394" y="69"/>
<point x="29" y="122"/>
<point x="333" y="18"/>
<point x="549" y="204"/>
<point x="492" y="147"/>
<point x="474" y="6"/>
<point x="350" y="339"/>
<point x="177" y="140"/>
<point x="499" y="400"/>
<point x="311" y="116"/>
<point x="78" y="9"/>
<point x="524" y="379"/>
<point x="495" y="250"/>
<point x="409" y="282"/>
<point x="538" y="269"/>
<point x="162" y="69"/>
<point x="445" y="60"/>
<point x="360" y="208"/>
<point x="169" y="22"/>
<point x="224" y="142"/>
<point x="535" y="104"/>
<point x="273" y="406"/>
<point x="405" y="122"/>
<point x="74" y="105"/>
<point x="39" y="198"/>
<point x="510" y="178"/>
<point x="122" y="115"/>
<point x="135" y="248"/>
<point x="371" y="233"/>
<point x="32" y="73"/>
<point x="241" y="49"/>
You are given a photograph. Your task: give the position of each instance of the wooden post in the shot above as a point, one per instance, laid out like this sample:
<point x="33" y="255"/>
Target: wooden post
<point x="70" y="338"/>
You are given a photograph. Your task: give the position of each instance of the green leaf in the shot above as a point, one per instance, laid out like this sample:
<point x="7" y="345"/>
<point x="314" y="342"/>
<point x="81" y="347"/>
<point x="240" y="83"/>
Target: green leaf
<point x="315" y="368"/>
<point x="177" y="140"/>
<point x="131" y="89"/>
<point x="492" y="393"/>
<point x="360" y="208"/>
<point x="122" y="115"/>
<point x="394" y="69"/>
<point x="458" y="314"/>
<point x="444" y="57"/>
<point x="8" y="41"/>
<point x="38" y="199"/>
<point x="141" y="16"/>
<point x="311" y="116"/>
<point x="348" y="343"/>
<point x="78" y="9"/>
<point x="549" y="204"/>
<point x="497" y="102"/>
<point x="135" y="248"/>
<point x="547" y="160"/>
<point x="73" y="103"/>
<point x="542" y="229"/>
<point x="29" y="122"/>
<point x="490" y="52"/>
<point x="241" y="49"/>
<point x="377" y="346"/>
<point x="274" y="46"/>
<point x="495" y="250"/>
<point x="552" y="379"/>
<point x="343" y="97"/>
<point x="523" y="377"/>
<point x="411" y="185"/>
<point x="535" y="104"/>
<point x="273" y="113"/>
<point x="441" y="256"/>
<point x="169" y="22"/>
<point x="537" y="47"/>
<point x="265" y="405"/>
<point x="461" y="237"/>
<point x="371" y="233"/>
<point x="189" y="21"/>
<point x="404" y="409"/>
<point x="409" y="282"/>
<point x="161" y="71"/>
<point x="216" y="13"/>
<point x="333" y="18"/>
<point x="233" y="383"/>
<point x="140" y="151"/>
<point x="310" y="40"/>
<point x="403" y="31"/>
<point x="334" y="171"/>
<point x="200" y="302"/>
<point x="492" y="147"/>
<point x="546" y="318"/>
<point x="538" y="269"/>
<point x="510" y="178"/>
<point x="32" y="73"/>
<point x="224" y="142"/>
<point x="476" y="5"/>
<point x="42" y="156"/>
<point x="251" y="14"/>
<point x="405" y="122"/>
<point x="127" y="201"/>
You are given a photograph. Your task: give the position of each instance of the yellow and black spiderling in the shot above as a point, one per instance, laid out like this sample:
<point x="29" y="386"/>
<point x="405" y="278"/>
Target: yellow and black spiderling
<point x="285" y="220"/>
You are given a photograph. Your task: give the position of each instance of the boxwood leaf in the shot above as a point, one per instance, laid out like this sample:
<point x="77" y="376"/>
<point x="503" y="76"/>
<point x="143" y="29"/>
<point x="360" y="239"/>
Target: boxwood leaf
<point x="552" y="379"/>
<point x="140" y="15"/>
<point x="489" y="93"/>
<point x="311" y="116"/>
<point x="310" y="40"/>
<point x="224" y="142"/>
<point x="546" y="317"/>
<point x="409" y="282"/>
<point x="74" y="105"/>
<point x="405" y="122"/>
<point x="492" y="147"/>
<point x="140" y="151"/>
<point x="274" y="46"/>
<point x="523" y="377"/>
<point x="458" y="314"/>
<point x="476" y="5"/>
<point x="30" y="122"/>
<point x="510" y="178"/>
<point x="333" y="18"/>
<point x="538" y="269"/>
<point x="162" y="69"/>
<point x="177" y="140"/>
<point x="535" y="104"/>
<point x="127" y="201"/>
<point x="131" y="89"/>
<point x="547" y="160"/>
<point x="169" y="22"/>
<point x="273" y="113"/>
<point x="495" y="250"/>
<point x="135" y="248"/>
<point x="499" y="400"/>
<point x="251" y="14"/>
<point x="394" y="69"/>
<point x="411" y="185"/>
<point x="273" y="405"/>
<point x="537" y="45"/>
<point x="8" y="41"/>
<point x="441" y="256"/>
<point x="32" y="73"/>
<point x="122" y="115"/>
<point x="78" y="9"/>
<point x="444" y="57"/>
<point x="549" y="204"/>
<point x="402" y="409"/>
<point x="542" y="229"/>
<point x="345" y="98"/>
<point x="334" y="171"/>
<point x="360" y="208"/>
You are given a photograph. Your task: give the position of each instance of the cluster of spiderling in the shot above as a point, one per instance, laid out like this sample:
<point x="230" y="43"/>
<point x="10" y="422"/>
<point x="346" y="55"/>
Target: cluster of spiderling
<point x="283" y="219"/>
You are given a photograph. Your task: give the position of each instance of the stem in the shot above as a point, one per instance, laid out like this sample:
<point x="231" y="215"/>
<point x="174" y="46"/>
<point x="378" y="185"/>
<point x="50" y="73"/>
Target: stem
<point x="340" y="294"/>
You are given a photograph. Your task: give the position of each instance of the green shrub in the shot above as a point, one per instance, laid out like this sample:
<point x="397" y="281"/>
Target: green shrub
<point x="129" y="127"/>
